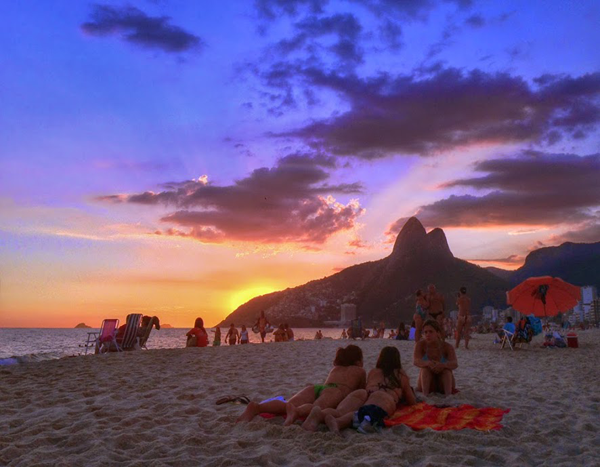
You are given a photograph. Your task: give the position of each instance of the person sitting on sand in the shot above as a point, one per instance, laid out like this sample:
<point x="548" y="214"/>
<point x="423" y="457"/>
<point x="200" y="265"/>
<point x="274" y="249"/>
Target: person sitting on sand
<point x="463" y="322"/>
<point x="289" y="332"/>
<point x="197" y="336"/>
<point x="244" y="339"/>
<point x="217" y="341"/>
<point x="318" y="335"/>
<point x="392" y="334"/>
<point x="402" y="333"/>
<point x="387" y="385"/>
<point x="436" y="359"/>
<point x="233" y="335"/>
<point x="346" y="376"/>
<point x="280" y="334"/>
<point x="509" y="326"/>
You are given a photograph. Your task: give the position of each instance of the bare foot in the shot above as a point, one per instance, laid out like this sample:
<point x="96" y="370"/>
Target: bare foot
<point x="291" y="414"/>
<point x="252" y="410"/>
<point x="314" y="418"/>
<point x="331" y="423"/>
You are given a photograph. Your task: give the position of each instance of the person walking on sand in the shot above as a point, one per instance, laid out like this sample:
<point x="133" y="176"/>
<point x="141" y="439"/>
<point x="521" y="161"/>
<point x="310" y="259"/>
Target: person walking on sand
<point x="436" y="306"/>
<point x="262" y="322"/>
<point x="244" y="335"/>
<point x="463" y="322"/>
<point x="233" y="335"/>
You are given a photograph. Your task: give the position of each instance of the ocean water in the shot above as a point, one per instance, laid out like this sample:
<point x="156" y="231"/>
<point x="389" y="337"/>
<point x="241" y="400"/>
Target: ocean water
<point x="19" y="345"/>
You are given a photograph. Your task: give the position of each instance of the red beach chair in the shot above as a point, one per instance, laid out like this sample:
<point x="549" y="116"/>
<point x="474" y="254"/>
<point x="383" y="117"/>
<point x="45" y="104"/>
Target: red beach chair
<point x="102" y="340"/>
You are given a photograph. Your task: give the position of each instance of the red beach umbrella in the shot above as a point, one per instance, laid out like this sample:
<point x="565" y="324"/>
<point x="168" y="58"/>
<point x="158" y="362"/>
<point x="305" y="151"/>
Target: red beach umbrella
<point x="543" y="296"/>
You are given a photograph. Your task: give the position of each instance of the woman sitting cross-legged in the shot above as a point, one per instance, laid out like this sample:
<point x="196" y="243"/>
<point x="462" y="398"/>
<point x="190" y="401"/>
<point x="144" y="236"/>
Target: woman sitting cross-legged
<point x="387" y="385"/>
<point x="346" y="376"/>
<point x="436" y="359"/>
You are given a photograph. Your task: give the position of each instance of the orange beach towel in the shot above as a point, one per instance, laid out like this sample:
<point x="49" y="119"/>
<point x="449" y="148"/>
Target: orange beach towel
<point x="423" y="415"/>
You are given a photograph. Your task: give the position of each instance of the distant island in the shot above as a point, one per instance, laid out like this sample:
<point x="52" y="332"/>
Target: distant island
<point x="83" y="326"/>
<point x="166" y="326"/>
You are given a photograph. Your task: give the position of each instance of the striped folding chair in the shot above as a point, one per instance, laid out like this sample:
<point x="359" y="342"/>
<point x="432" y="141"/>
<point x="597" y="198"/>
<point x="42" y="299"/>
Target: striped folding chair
<point x="130" y="335"/>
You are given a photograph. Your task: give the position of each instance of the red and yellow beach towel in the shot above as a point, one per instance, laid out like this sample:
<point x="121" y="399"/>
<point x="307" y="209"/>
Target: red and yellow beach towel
<point x="422" y="415"/>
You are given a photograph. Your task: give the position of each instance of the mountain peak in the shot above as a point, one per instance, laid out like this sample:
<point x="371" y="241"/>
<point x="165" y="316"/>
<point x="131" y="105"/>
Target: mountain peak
<point x="412" y="233"/>
<point x="438" y="243"/>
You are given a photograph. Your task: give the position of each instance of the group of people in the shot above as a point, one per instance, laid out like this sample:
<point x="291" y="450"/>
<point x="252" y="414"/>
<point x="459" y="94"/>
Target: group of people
<point x="198" y="336"/>
<point x="431" y="305"/>
<point x="351" y="397"/>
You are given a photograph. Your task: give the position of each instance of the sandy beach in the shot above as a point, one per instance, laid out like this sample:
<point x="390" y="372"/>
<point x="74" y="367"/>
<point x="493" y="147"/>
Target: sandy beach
<point x="157" y="407"/>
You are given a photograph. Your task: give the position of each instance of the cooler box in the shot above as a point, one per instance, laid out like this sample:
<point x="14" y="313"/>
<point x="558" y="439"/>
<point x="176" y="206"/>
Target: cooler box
<point x="572" y="340"/>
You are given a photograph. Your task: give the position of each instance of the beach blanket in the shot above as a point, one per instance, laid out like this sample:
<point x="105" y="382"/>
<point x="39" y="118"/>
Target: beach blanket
<point x="423" y="415"/>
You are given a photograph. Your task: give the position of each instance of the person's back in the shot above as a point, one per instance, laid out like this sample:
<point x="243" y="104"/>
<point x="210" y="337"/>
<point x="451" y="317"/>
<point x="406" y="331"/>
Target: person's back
<point x="348" y="377"/>
<point x="509" y="326"/>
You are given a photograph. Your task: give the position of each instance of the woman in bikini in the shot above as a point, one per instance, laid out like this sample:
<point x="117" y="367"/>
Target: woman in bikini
<point x="346" y="376"/>
<point x="420" y="313"/>
<point x="387" y="385"/>
<point x="436" y="359"/>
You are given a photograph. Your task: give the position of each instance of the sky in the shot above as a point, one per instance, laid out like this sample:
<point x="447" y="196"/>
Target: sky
<point x="178" y="158"/>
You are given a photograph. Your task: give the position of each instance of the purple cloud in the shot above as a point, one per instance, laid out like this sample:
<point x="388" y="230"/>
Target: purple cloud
<point x="134" y="26"/>
<point x="533" y="189"/>
<point x="446" y="110"/>
<point x="290" y="202"/>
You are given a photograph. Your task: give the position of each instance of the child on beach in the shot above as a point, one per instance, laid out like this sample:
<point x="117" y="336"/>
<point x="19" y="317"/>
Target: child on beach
<point x="197" y="336"/>
<point x="217" y="341"/>
<point x="436" y="359"/>
<point x="244" y="335"/>
<point x="387" y="385"/>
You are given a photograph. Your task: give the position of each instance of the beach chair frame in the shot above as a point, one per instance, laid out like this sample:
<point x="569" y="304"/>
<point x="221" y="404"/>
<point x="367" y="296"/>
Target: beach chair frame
<point x="508" y="338"/>
<point x="102" y="340"/>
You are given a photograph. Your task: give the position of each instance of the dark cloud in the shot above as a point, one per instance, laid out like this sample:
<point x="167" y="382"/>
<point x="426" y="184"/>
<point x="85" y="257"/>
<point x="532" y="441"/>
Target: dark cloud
<point x="134" y="26"/>
<point x="512" y="259"/>
<point x="475" y="21"/>
<point x="447" y="109"/>
<point x="408" y="9"/>
<point x="588" y="232"/>
<point x="344" y="26"/>
<point x="534" y="189"/>
<point x="290" y="202"/>
<point x="271" y="9"/>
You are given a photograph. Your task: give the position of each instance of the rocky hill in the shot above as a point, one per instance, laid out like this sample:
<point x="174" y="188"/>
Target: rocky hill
<point x="383" y="289"/>
<point x="577" y="263"/>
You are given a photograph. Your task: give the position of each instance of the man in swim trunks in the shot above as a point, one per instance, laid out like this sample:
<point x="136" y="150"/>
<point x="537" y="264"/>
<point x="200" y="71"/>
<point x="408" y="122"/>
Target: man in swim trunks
<point x="437" y="306"/>
<point x="463" y="323"/>
<point x="233" y="335"/>
<point x="262" y="324"/>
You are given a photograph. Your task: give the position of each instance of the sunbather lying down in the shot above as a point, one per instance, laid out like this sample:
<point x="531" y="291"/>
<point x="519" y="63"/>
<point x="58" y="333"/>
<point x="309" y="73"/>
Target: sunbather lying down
<point x="346" y="376"/>
<point x="387" y="386"/>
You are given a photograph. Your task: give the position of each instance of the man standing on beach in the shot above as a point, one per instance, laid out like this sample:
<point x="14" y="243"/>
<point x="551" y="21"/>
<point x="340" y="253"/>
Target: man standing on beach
<point x="437" y="306"/>
<point x="262" y="324"/>
<point x="464" y="317"/>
